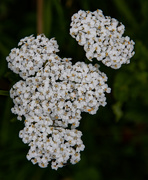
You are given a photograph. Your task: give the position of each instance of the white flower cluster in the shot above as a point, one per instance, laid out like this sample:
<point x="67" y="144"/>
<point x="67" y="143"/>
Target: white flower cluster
<point x="102" y="38"/>
<point x="50" y="143"/>
<point x="32" y="54"/>
<point x="54" y="92"/>
<point x="52" y="101"/>
<point x="62" y="91"/>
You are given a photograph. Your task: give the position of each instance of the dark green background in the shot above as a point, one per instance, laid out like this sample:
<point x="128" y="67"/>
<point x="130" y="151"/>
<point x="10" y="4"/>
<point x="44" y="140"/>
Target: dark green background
<point x="116" y="138"/>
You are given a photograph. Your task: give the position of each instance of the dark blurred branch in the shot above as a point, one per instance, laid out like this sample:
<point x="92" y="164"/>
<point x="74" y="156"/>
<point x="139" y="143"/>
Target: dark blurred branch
<point x="39" y="16"/>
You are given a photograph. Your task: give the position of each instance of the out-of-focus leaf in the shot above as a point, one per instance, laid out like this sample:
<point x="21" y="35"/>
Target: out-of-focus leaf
<point x="144" y="8"/>
<point x="47" y="17"/>
<point x="4" y="93"/>
<point x="126" y="11"/>
<point x="121" y="86"/>
<point x="117" y="109"/>
<point x="141" y="53"/>
<point x="60" y="11"/>
<point x="90" y="173"/>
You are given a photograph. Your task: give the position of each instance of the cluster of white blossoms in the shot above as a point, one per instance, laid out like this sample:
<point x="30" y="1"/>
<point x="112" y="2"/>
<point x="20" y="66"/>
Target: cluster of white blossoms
<point x="31" y="55"/>
<point x="54" y="92"/>
<point x="50" y="143"/>
<point x="61" y="90"/>
<point x="51" y="102"/>
<point x="102" y="38"/>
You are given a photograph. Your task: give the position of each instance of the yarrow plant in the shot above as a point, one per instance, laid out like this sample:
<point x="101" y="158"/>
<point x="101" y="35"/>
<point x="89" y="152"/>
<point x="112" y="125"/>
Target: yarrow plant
<point x="54" y="92"/>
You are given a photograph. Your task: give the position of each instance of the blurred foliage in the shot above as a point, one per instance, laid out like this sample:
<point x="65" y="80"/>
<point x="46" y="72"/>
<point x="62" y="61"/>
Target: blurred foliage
<point x="116" y="138"/>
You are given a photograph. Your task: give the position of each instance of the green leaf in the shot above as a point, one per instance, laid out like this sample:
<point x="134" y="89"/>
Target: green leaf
<point x="90" y="173"/>
<point x="60" y="11"/>
<point x="121" y="86"/>
<point x="117" y="109"/>
<point x="144" y="8"/>
<point x="47" y="17"/>
<point x="126" y="11"/>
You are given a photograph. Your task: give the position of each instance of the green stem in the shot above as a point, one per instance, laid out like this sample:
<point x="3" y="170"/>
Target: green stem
<point x="4" y="93"/>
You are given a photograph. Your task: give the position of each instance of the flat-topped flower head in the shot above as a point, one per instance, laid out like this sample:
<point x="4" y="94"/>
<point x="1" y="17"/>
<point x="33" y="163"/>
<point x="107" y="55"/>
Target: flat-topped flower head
<point x="102" y="38"/>
<point x="51" y="144"/>
<point x="31" y="55"/>
<point x="61" y="91"/>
